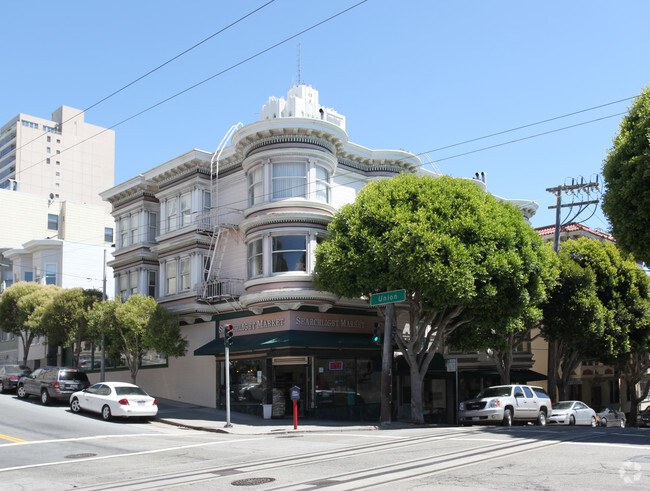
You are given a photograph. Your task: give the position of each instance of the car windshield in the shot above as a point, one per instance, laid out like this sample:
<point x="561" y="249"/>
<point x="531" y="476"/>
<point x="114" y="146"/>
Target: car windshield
<point x="563" y="405"/>
<point x="601" y="409"/>
<point x="494" y="392"/>
<point x="79" y="376"/>
<point x="130" y="391"/>
<point x="16" y="369"/>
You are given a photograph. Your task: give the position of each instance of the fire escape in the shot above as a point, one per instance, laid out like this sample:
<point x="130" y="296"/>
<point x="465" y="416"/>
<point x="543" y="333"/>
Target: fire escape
<point x="221" y="227"/>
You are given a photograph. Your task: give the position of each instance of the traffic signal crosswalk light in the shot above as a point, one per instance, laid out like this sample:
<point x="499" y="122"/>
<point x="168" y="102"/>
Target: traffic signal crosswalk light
<point x="228" y="334"/>
<point x="376" y="334"/>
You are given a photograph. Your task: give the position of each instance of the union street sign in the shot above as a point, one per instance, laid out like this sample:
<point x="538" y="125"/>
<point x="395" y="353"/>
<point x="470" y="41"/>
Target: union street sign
<point x="387" y="297"/>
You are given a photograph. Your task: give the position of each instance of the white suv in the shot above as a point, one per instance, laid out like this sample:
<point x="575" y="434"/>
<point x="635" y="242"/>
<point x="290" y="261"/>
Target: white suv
<point x="504" y="404"/>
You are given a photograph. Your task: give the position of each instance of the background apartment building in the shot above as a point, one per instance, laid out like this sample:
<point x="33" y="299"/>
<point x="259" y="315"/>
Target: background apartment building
<point x="54" y="226"/>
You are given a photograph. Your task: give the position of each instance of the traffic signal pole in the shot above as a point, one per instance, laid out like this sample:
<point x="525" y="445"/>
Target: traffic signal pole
<point x="228" y="425"/>
<point x="227" y="341"/>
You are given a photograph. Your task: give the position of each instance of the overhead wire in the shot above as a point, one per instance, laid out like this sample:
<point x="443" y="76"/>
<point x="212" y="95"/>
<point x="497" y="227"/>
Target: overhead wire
<point x="150" y="72"/>
<point x="191" y="87"/>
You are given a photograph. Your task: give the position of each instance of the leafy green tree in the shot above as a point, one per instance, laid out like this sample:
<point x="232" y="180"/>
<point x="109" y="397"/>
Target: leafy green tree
<point x="600" y="311"/>
<point x="626" y="170"/>
<point x="460" y="254"/>
<point x="21" y="308"/>
<point x="574" y="318"/>
<point x="65" y="319"/>
<point x="500" y="341"/>
<point x="136" y="326"/>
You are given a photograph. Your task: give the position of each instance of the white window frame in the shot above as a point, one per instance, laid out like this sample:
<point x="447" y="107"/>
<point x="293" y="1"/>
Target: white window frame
<point x="256" y="186"/>
<point x="172" y="213"/>
<point x="186" y="209"/>
<point x="185" y="274"/>
<point x="152" y="226"/>
<point x="171" y="277"/>
<point x="276" y="252"/>
<point x="287" y="182"/>
<point x="255" y="254"/>
<point x="134" y="235"/>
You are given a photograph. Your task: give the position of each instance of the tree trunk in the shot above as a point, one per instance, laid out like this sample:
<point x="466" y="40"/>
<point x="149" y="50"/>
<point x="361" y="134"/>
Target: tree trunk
<point x="417" y="414"/>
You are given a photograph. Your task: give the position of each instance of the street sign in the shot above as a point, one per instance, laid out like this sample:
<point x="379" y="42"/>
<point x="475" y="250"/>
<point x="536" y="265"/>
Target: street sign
<point x="452" y="364"/>
<point x="387" y="297"/>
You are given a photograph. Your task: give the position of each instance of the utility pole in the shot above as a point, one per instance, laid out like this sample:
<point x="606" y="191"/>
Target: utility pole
<point x="580" y="187"/>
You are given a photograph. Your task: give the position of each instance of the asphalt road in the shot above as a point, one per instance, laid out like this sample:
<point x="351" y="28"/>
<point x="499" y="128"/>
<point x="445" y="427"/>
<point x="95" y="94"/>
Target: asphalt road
<point x="51" y="448"/>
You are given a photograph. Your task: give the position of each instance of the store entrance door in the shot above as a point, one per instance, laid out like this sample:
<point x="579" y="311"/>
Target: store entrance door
<point x="285" y="377"/>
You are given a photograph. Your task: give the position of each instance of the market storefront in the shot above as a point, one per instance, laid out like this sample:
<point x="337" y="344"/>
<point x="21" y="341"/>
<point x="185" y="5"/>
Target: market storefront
<point x="330" y="356"/>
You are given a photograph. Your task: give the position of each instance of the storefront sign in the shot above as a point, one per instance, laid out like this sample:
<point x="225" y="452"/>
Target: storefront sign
<point x="303" y="321"/>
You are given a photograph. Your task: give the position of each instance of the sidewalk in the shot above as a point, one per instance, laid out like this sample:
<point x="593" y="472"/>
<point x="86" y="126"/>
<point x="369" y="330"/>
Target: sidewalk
<point x="208" y="419"/>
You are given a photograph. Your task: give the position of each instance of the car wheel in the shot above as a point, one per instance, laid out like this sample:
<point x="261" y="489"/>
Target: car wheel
<point x="541" y="418"/>
<point x="593" y="421"/>
<point x="20" y="392"/>
<point x="572" y="420"/>
<point x="106" y="413"/>
<point x="45" y="397"/>
<point x="622" y="423"/>
<point x="603" y="421"/>
<point x="74" y="405"/>
<point x="507" y="417"/>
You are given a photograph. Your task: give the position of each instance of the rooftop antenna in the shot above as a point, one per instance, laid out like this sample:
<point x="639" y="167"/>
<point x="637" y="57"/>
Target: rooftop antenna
<point x="299" y="64"/>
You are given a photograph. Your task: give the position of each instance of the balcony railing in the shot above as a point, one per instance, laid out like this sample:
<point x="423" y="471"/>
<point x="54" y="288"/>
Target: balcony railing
<point x="221" y="288"/>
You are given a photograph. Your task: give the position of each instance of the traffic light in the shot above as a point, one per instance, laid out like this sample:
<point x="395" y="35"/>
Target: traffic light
<point x="376" y="335"/>
<point x="228" y="334"/>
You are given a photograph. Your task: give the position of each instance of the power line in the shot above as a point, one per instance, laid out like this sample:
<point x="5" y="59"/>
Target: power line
<point x="231" y="67"/>
<point x="156" y="69"/>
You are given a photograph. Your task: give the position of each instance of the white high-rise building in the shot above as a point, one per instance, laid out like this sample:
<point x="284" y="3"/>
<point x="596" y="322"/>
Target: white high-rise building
<point x="62" y="158"/>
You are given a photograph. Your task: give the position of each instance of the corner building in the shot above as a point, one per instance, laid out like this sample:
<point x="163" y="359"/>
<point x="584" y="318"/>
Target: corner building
<point x="229" y="238"/>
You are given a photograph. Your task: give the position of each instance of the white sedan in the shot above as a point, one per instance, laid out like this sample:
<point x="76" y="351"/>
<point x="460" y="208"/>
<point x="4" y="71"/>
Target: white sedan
<point x="119" y="399"/>
<point x="573" y="413"/>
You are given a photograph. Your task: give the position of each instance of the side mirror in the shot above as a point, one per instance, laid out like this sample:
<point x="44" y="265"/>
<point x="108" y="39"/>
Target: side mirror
<point x="519" y="394"/>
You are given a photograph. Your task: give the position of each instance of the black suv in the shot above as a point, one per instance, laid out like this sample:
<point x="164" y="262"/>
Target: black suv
<point x="52" y="383"/>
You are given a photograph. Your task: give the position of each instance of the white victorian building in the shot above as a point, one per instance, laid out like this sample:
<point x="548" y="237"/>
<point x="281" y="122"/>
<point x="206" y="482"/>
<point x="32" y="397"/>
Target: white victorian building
<point x="229" y="238"/>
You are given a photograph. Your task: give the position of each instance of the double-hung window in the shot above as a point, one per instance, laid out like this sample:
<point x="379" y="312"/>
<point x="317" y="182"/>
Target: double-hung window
<point x="322" y="184"/>
<point x="133" y="283"/>
<point x="134" y="230"/>
<point x="289" y="180"/>
<point x="171" y="276"/>
<point x="289" y="253"/>
<point x="152" y="284"/>
<point x="185" y="274"/>
<point x="123" y="286"/>
<point x="186" y="209"/>
<point x="124" y="232"/>
<point x="255" y="264"/>
<point x="152" y="227"/>
<point x="255" y="186"/>
<point x="172" y="213"/>
<point x="50" y="274"/>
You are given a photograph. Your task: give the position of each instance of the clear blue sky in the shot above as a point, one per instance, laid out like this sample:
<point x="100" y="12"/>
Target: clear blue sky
<point x="417" y="75"/>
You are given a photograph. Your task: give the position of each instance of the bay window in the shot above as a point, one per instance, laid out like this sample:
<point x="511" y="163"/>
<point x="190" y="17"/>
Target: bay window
<point x="289" y="253"/>
<point x="185" y="274"/>
<point x="170" y="270"/>
<point x="255" y="186"/>
<point x="255" y="263"/>
<point x="186" y="209"/>
<point x="172" y="213"/>
<point x="289" y="180"/>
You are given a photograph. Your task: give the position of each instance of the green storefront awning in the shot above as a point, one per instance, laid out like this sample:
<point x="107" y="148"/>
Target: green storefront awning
<point x="289" y="339"/>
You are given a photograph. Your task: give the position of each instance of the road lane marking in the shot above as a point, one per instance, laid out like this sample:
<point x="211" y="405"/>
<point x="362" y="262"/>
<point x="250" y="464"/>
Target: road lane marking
<point x="130" y="454"/>
<point x="12" y="439"/>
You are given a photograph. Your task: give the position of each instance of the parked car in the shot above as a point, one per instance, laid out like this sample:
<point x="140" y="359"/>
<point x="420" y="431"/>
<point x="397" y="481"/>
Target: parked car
<point x="573" y="413"/>
<point x="10" y="375"/>
<point x="114" y="399"/>
<point x="643" y="418"/>
<point x="52" y="383"/>
<point x="610" y="416"/>
<point x="505" y="404"/>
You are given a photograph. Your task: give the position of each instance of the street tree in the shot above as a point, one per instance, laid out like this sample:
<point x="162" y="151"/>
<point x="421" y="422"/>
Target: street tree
<point x="65" y="319"/>
<point x="502" y="338"/>
<point x="460" y="254"/>
<point x="21" y="308"/>
<point x="626" y="200"/>
<point x="135" y="327"/>
<point x="601" y="311"/>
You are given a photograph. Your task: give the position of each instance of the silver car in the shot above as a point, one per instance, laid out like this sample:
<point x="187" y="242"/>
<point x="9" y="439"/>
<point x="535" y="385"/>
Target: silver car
<point x="611" y="417"/>
<point x="573" y="413"/>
